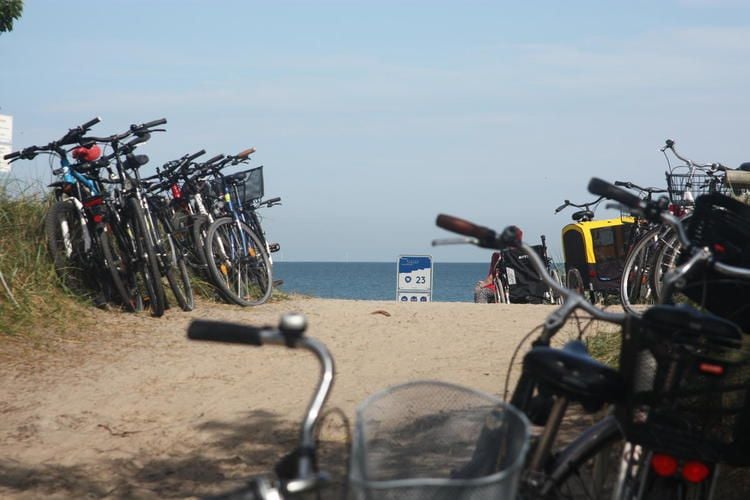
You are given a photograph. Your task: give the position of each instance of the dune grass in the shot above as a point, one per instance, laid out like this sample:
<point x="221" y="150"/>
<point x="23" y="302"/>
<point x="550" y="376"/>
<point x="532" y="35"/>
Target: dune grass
<point x="31" y="298"/>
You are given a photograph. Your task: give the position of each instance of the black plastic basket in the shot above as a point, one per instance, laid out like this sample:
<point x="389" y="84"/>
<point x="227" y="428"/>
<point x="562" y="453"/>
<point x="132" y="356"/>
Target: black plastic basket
<point x="690" y="390"/>
<point x="696" y="184"/>
<point x="722" y="224"/>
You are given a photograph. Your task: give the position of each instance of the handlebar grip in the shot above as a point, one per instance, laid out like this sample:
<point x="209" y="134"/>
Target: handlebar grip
<point x="213" y="160"/>
<point x="90" y="123"/>
<point x="219" y="331"/>
<point x="196" y="155"/>
<point x="10" y="156"/>
<point x="564" y="205"/>
<point x="603" y="188"/>
<point x="464" y="227"/>
<point x="272" y="201"/>
<point x="155" y="123"/>
<point x="244" y="154"/>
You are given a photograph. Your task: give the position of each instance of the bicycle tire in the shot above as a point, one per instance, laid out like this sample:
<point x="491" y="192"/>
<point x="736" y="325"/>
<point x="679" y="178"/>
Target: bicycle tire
<point x="244" y="276"/>
<point x="581" y="469"/>
<point x="635" y="284"/>
<point x="555" y="298"/>
<point x="147" y="264"/>
<point x="64" y="233"/>
<point x="665" y="259"/>
<point x="178" y="276"/>
<point x="119" y="271"/>
<point x="574" y="281"/>
<point x="200" y="225"/>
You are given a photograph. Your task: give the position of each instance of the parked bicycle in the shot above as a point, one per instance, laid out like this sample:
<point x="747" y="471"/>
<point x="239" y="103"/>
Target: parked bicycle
<point x="676" y="430"/>
<point x="75" y="232"/>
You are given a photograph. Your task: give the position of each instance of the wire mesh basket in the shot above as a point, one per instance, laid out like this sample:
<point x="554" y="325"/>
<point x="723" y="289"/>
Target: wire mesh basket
<point x="690" y="387"/>
<point x="685" y="188"/>
<point x="251" y="188"/>
<point x="429" y="439"/>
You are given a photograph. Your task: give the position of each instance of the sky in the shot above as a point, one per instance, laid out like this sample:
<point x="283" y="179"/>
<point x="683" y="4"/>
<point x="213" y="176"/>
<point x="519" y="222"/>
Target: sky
<point x="370" y="118"/>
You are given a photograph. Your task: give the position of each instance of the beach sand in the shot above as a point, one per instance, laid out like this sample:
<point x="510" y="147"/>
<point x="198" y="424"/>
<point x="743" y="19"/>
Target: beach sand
<point x="134" y="409"/>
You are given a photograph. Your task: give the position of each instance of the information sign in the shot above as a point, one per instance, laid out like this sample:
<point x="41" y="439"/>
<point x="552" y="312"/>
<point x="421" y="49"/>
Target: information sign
<point x="414" y="278"/>
<point x="6" y="141"/>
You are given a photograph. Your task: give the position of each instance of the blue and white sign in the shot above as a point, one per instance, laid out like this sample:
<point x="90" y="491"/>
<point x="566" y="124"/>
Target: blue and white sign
<point x="414" y="278"/>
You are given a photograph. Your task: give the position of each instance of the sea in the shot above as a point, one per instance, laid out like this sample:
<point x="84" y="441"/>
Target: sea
<point x="451" y="282"/>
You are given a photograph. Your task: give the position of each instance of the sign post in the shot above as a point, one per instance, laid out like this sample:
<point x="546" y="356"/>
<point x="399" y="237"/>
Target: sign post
<point x="6" y="141"/>
<point x="414" y="278"/>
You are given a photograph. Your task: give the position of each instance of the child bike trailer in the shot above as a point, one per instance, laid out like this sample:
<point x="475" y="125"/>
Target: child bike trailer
<point x="595" y="252"/>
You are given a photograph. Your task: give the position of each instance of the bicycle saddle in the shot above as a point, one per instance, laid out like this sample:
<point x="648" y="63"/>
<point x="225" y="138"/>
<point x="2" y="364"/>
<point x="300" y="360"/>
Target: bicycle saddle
<point x="582" y="215"/>
<point x="135" y="161"/>
<point x="573" y="373"/>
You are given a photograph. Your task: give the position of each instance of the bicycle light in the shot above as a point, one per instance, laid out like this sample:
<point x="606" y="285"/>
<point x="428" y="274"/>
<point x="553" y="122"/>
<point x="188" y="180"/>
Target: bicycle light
<point x="664" y="465"/>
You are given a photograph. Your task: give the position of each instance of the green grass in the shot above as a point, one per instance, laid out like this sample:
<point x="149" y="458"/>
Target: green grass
<point x="31" y="299"/>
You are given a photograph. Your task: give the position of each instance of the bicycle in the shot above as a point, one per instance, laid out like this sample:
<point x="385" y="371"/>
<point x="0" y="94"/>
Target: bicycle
<point x="237" y="253"/>
<point x="648" y="443"/>
<point x="136" y="246"/>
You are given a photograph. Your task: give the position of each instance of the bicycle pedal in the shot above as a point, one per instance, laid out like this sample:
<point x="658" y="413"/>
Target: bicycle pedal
<point x="277" y="283"/>
<point x="274" y="247"/>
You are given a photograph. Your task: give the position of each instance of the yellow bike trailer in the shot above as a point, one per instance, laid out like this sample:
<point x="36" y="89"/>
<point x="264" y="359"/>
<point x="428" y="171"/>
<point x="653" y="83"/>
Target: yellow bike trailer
<point x="595" y="252"/>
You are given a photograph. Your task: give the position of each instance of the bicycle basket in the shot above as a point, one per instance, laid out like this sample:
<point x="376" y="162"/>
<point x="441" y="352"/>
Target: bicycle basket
<point x="430" y="439"/>
<point x="690" y="388"/>
<point x="722" y="224"/>
<point x="251" y="188"/>
<point x="696" y="184"/>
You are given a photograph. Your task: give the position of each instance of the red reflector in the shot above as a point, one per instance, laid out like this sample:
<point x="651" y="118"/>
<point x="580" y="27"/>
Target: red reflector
<point x="711" y="369"/>
<point x="98" y="218"/>
<point x="592" y="273"/>
<point x="664" y="465"/>
<point x="92" y="202"/>
<point x="719" y="248"/>
<point x="695" y="472"/>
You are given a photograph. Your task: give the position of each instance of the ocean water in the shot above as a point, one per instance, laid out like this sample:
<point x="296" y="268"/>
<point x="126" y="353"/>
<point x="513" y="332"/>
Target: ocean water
<point x="451" y="282"/>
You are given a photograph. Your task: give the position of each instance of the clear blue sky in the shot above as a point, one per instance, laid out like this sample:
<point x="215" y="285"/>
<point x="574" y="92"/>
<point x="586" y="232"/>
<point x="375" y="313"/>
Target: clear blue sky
<point x="373" y="117"/>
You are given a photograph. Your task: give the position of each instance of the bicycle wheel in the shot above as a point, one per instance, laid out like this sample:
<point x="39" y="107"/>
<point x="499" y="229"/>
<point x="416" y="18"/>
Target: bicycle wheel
<point x="554" y="297"/>
<point x="665" y="259"/>
<point x="123" y="279"/>
<point x="68" y="242"/>
<point x="585" y="467"/>
<point x="635" y="284"/>
<point x="177" y="274"/>
<point x="575" y="281"/>
<point x="199" y="230"/>
<point x="147" y="265"/>
<point x="238" y="262"/>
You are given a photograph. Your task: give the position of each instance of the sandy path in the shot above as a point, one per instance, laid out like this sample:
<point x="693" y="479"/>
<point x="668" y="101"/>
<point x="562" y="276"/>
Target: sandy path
<point x="139" y="411"/>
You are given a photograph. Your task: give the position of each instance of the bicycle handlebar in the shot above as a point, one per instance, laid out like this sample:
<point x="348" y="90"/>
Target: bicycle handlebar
<point x="72" y="136"/>
<point x="669" y="144"/>
<point x="290" y="333"/>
